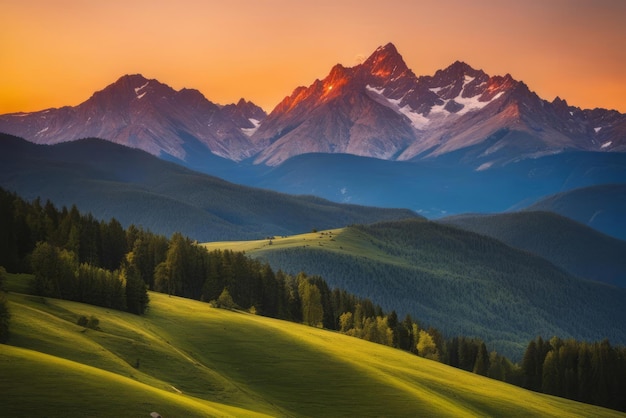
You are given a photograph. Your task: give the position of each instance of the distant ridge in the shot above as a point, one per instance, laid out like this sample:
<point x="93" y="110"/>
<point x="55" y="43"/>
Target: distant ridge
<point x="110" y="180"/>
<point x="602" y="207"/>
<point x="578" y="249"/>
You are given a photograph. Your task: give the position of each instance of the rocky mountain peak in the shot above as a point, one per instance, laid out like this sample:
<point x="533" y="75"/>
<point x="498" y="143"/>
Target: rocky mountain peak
<point x="385" y="62"/>
<point x="246" y="115"/>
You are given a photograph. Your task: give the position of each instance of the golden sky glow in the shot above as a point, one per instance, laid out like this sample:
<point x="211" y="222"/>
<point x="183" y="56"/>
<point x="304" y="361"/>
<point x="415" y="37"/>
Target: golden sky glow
<point x="58" y="52"/>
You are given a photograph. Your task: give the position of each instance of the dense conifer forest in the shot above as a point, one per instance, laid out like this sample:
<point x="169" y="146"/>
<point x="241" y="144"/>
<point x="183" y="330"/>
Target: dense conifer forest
<point x="76" y="257"/>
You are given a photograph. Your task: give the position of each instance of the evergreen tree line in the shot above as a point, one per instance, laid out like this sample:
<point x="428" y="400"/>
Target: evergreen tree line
<point x="587" y="372"/>
<point x="72" y="256"/>
<point x="76" y="257"/>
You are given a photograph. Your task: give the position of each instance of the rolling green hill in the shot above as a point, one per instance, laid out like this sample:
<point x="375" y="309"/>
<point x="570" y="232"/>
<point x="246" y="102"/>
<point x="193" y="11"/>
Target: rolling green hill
<point x="458" y="281"/>
<point x="112" y="181"/>
<point x="579" y="249"/>
<point x="185" y="358"/>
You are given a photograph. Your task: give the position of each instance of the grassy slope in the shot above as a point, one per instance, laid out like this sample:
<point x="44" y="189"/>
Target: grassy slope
<point x="335" y="240"/>
<point x="230" y="364"/>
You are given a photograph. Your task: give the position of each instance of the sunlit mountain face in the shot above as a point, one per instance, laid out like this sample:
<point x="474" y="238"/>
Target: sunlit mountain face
<point x="381" y="109"/>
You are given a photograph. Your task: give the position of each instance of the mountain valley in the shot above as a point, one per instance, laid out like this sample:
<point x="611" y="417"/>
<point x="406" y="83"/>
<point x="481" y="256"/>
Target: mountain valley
<point x="461" y="199"/>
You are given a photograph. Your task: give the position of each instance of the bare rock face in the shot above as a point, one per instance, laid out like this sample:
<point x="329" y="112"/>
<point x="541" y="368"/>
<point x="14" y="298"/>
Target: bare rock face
<point x="144" y="114"/>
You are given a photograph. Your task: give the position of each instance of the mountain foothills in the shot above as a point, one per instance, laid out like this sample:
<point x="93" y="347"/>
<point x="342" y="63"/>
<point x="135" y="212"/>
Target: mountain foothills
<point x="109" y="180"/>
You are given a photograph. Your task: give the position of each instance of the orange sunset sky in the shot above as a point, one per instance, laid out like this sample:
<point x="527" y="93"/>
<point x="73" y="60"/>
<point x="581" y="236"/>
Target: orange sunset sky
<point x="58" y="52"/>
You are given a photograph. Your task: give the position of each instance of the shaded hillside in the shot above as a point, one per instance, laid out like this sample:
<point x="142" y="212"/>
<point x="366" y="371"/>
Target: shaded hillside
<point x="602" y="207"/>
<point x="110" y="180"/>
<point x="580" y="250"/>
<point x="442" y="186"/>
<point x="460" y="282"/>
<point x="187" y="359"/>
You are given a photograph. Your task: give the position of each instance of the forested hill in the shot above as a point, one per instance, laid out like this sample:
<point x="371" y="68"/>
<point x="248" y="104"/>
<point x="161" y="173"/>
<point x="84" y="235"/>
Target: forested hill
<point x="134" y="187"/>
<point x="577" y="248"/>
<point x="460" y="282"/>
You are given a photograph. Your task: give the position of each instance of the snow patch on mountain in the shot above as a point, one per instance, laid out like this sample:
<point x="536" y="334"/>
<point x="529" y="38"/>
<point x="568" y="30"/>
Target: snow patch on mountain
<point x="138" y="89"/>
<point x="473" y="103"/>
<point x="418" y="120"/>
<point x="251" y="131"/>
<point x="468" y="104"/>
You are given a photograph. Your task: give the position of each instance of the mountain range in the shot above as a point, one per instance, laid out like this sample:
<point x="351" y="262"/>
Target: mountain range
<point x="378" y="109"/>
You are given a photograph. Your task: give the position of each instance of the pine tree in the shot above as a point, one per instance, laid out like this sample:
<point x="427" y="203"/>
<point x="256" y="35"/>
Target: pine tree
<point x="393" y="324"/>
<point x="481" y="366"/>
<point x="137" y="298"/>
<point x="550" y="376"/>
<point x="529" y="367"/>
<point x="585" y="385"/>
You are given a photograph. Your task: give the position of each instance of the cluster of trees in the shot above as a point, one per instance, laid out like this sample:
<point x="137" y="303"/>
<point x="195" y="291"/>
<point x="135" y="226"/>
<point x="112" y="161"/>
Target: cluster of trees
<point x="72" y="256"/>
<point x="24" y="224"/>
<point x="587" y="372"/>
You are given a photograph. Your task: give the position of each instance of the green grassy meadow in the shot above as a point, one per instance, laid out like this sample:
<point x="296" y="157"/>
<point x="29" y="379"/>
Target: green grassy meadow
<point x="186" y="359"/>
<point x="340" y="240"/>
